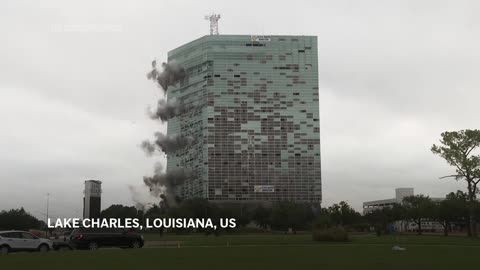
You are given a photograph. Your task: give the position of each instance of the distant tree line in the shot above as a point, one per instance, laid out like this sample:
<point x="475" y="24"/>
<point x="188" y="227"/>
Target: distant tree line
<point x="280" y="216"/>
<point x="285" y="216"/>
<point x="289" y="216"/>
<point x="19" y="219"/>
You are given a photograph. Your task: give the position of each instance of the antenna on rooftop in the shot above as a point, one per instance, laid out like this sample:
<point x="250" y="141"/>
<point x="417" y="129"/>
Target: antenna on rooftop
<point x="213" y="18"/>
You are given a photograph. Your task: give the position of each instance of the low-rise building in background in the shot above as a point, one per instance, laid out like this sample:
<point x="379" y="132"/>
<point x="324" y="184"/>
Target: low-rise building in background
<point x="400" y="193"/>
<point x="403" y="225"/>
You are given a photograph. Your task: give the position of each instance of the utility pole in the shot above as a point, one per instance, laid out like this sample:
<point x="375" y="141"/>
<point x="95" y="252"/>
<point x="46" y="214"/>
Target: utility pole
<point x="46" y="221"/>
<point x="48" y="202"/>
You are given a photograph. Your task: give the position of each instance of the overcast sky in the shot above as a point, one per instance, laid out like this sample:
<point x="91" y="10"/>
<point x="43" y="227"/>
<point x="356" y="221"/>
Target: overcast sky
<point x="73" y="91"/>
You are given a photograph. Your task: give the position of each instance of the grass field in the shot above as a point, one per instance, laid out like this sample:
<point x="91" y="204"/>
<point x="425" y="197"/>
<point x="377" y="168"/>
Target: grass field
<point x="266" y="252"/>
<point x="277" y="239"/>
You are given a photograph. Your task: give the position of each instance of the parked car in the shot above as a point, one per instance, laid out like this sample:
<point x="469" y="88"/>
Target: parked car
<point x="62" y="242"/>
<point x="93" y="238"/>
<point x="22" y="241"/>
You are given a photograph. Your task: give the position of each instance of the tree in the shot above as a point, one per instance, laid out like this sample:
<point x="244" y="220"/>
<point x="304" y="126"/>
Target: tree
<point x="156" y="211"/>
<point x="261" y="216"/>
<point x="459" y="149"/>
<point x="323" y="220"/>
<point x="399" y="213"/>
<point x="452" y="209"/>
<point x="380" y="219"/>
<point x="335" y="213"/>
<point x="18" y="219"/>
<point x="199" y="208"/>
<point x="119" y="211"/>
<point x="418" y="208"/>
<point x="349" y="215"/>
<point x="242" y="214"/>
<point x="342" y="214"/>
<point x="292" y="215"/>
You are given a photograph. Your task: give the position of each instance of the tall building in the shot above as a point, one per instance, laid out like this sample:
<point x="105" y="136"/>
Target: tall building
<point x="92" y="199"/>
<point x="256" y="122"/>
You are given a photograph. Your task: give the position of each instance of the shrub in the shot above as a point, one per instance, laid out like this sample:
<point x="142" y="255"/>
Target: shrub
<point x="331" y="235"/>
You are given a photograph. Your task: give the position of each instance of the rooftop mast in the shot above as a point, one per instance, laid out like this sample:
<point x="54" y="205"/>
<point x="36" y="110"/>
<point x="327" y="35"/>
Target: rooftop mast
<point x="213" y="18"/>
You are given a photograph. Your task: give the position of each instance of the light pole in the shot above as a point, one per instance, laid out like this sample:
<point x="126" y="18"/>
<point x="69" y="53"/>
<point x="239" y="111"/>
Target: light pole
<point x="48" y="202"/>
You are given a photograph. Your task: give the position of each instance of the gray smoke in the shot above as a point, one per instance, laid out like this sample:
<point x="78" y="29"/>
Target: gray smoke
<point x="162" y="184"/>
<point x="172" y="73"/>
<point x="140" y="201"/>
<point x="148" y="147"/>
<point x="170" y="144"/>
<point x="166" y="144"/>
<point x="166" y="110"/>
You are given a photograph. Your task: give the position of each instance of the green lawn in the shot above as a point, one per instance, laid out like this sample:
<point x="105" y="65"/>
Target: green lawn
<point x="254" y="257"/>
<point x="277" y="239"/>
<point x="266" y="251"/>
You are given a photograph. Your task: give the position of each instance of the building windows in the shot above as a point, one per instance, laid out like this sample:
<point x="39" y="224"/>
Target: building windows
<point x="252" y="133"/>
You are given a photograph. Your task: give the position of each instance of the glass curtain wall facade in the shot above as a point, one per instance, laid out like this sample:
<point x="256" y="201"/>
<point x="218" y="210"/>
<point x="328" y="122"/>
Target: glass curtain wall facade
<point x="255" y="119"/>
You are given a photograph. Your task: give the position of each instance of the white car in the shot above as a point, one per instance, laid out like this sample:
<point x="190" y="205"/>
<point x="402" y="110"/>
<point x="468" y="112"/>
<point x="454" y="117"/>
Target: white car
<point x="22" y="241"/>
